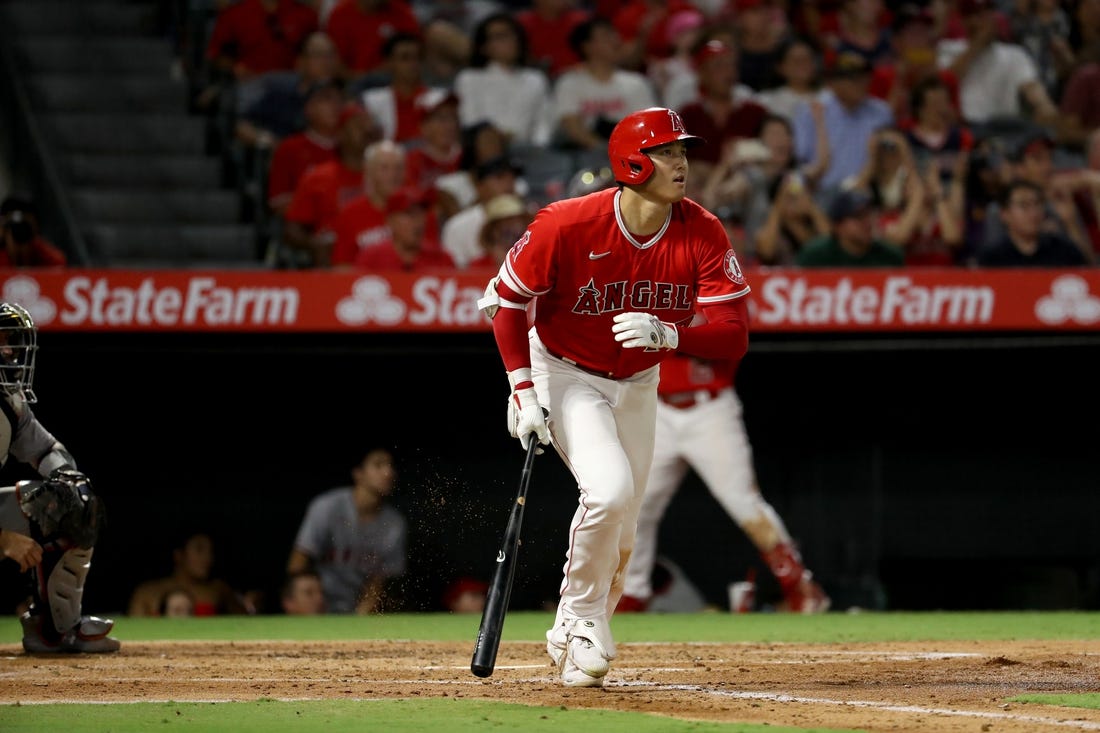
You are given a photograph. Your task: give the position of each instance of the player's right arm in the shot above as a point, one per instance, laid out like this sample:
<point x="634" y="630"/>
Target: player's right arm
<point x="37" y="447"/>
<point x="506" y="301"/>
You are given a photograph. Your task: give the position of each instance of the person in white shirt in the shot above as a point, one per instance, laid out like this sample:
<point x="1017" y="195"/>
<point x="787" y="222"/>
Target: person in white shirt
<point x="800" y="68"/>
<point x="594" y="95"/>
<point x="460" y="235"/>
<point x="498" y="87"/>
<point x="997" y="80"/>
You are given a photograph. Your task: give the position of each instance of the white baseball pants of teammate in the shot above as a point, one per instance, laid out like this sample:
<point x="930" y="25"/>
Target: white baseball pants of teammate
<point x="710" y="438"/>
<point x="603" y="429"/>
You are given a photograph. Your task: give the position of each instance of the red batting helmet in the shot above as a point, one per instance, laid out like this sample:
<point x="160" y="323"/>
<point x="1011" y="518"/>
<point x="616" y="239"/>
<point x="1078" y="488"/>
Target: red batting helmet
<point x="640" y="131"/>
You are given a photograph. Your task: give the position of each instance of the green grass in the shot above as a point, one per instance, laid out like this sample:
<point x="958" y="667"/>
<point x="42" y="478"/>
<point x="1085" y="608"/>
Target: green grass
<point x="703" y="627"/>
<point x="329" y="716"/>
<point x="459" y="715"/>
<point x="1090" y="700"/>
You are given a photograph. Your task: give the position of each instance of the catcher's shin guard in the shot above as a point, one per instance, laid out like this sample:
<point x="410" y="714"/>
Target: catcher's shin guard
<point x="54" y="623"/>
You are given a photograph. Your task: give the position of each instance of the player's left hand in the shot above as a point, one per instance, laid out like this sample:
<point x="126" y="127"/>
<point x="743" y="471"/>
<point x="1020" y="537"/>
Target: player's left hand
<point x="644" y="330"/>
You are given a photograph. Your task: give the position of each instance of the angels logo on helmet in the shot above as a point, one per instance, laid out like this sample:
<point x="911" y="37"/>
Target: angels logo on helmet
<point x="677" y="123"/>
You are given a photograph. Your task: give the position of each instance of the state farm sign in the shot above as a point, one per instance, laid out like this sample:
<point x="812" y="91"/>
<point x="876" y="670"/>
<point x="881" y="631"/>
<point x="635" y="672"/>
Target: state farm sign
<point x="897" y="300"/>
<point x="198" y="301"/>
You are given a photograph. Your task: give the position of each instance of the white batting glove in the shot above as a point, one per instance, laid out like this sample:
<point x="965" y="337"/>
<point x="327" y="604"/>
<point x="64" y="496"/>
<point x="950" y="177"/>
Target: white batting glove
<point x="644" y="330"/>
<point x="525" y="415"/>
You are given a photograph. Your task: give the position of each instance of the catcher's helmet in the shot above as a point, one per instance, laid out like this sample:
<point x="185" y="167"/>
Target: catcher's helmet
<point x="640" y="131"/>
<point x="18" y="346"/>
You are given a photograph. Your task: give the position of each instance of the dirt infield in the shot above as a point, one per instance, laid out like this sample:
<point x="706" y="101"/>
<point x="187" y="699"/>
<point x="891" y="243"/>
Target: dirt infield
<point x="946" y="686"/>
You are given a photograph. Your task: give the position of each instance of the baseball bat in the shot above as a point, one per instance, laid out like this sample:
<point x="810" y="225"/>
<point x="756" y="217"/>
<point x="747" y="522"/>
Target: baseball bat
<point x="500" y="589"/>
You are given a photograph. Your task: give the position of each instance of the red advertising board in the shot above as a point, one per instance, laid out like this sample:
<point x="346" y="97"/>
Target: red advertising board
<point x="782" y="300"/>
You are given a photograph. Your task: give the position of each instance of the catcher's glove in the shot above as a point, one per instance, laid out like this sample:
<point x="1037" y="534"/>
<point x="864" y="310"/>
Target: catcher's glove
<point x="63" y="506"/>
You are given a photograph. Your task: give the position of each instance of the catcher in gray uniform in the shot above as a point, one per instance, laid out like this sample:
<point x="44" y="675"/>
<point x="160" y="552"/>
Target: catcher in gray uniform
<point x="60" y="512"/>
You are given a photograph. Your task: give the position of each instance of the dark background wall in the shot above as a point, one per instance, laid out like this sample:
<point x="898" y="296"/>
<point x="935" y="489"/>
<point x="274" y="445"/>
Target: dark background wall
<point x="921" y="473"/>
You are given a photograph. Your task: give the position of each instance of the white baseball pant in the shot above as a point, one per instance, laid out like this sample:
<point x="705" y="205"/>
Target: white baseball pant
<point x="710" y="438"/>
<point x="603" y="429"/>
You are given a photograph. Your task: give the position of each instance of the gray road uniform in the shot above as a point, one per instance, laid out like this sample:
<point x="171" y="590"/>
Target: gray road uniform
<point x="60" y="511"/>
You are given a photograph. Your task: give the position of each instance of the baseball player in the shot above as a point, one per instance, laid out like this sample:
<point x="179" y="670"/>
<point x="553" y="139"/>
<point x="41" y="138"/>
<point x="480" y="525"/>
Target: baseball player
<point x="60" y="513"/>
<point x="699" y="425"/>
<point x="618" y="275"/>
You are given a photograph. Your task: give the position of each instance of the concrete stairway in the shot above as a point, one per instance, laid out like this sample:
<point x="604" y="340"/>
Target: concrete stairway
<point x="145" y="187"/>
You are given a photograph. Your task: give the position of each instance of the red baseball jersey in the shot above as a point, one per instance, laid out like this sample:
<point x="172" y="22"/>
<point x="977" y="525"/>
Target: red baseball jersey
<point x="548" y="38"/>
<point x="743" y="122"/>
<point x="360" y="34"/>
<point x="583" y="266"/>
<point x="422" y="169"/>
<point x="682" y="373"/>
<point x="360" y="225"/>
<point x="321" y="192"/>
<point x="293" y="156"/>
<point x="261" y="41"/>
<point x="39" y="252"/>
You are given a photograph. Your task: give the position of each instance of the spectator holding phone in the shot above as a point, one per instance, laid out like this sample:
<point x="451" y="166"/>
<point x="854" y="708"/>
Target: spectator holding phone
<point x="24" y="245"/>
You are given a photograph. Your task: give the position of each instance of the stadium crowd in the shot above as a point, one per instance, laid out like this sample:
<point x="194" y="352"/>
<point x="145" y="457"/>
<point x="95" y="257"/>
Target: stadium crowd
<point x="384" y="134"/>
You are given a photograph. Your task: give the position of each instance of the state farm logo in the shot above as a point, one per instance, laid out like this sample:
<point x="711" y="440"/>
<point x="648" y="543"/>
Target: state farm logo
<point x="431" y="301"/>
<point x="1069" y="300"/>
<point x="370" y="300"/>
<point x="25" y="291"/>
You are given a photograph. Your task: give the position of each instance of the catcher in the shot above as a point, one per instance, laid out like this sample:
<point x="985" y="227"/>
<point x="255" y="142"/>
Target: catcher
<point x="60" y="513"/>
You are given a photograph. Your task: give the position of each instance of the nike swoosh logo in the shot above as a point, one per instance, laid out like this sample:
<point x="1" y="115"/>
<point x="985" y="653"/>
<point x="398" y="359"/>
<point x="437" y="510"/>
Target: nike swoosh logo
<point x="594" y="256"/>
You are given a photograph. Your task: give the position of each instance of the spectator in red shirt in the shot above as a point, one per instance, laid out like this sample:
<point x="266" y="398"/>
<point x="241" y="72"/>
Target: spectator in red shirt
<point x="438" y="148"/>
<point x="407" y="218"/>
<point x="361" y="223"/>
<point x="717" y="116"/>
<point x="548" y="24"/>
<point x="325" y="188"/>
<point x="643" y="24"/>
<point x="24" y="245"/>
<point x="913" y="42"/>
<point x="361" y="27"/>
<point x="252" y="37"/>
<point x="296" y="154"/>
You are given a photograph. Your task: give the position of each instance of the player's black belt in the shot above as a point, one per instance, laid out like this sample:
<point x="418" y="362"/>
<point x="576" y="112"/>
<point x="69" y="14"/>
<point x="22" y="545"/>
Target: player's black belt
<point x="684" y="400"/>
<point x="582" y="367"/>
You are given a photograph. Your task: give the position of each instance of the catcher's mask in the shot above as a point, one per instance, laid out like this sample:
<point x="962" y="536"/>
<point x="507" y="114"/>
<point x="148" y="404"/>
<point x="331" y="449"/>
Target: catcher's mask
<point x="18" y="347"/>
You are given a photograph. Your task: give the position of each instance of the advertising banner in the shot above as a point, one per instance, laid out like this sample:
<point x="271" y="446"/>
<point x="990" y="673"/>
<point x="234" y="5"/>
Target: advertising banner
<point x="782" y="300"/>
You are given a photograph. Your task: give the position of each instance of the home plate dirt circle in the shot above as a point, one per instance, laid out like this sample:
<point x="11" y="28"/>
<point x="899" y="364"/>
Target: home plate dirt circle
<point x="948" y="687"/>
